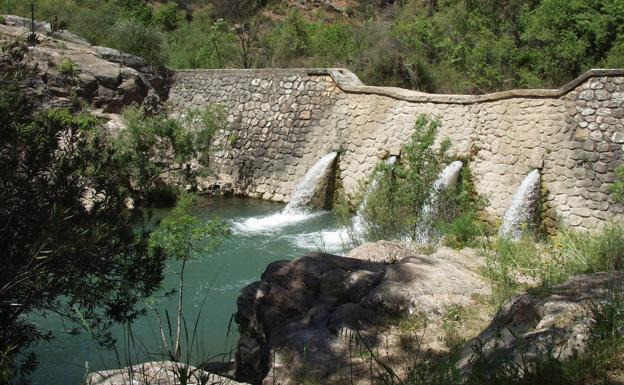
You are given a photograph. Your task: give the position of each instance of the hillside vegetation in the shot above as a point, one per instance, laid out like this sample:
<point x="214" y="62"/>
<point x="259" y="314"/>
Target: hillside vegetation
<point x="458" y="46"/>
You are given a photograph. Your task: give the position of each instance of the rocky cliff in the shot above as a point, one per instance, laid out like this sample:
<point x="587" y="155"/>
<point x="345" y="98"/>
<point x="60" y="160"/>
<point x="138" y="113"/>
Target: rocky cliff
<point x="69" y="72"/>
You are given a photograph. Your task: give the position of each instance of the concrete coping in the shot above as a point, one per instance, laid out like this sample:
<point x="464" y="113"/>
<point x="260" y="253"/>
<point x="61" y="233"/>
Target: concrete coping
<point x="348" y="82"/>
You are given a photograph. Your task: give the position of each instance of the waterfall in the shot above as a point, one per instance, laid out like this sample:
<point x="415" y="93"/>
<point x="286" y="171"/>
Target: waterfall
<point x="312" y="183"/>
<point x="309" y="189"/>
<point x="447" y="178"/>
<point x="358" y="220"/>
<point x="523" y="209"/>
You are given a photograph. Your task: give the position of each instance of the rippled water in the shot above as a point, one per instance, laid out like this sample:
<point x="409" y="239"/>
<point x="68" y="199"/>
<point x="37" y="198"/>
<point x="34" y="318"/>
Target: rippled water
<point x="261" y="234"/>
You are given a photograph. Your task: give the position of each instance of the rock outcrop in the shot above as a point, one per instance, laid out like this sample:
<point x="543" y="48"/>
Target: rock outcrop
<point x="158" y="372"/>
<point x="294" y="321"/>
<point x="68" y="72"/>
<point x="532" y="325"/>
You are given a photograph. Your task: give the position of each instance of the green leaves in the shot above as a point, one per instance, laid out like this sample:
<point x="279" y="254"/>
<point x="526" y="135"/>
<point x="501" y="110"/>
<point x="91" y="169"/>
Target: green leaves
<point x="159" y="150"/>
<point x="618" y="185"/>
<point x="182" y="236"/>
<point x="393" y="208"/>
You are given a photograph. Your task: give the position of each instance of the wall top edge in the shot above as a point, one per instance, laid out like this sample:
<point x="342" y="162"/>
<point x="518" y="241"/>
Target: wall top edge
<point x="348" y="82"/>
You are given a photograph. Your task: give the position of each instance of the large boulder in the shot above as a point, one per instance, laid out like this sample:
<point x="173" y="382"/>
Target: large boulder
<point x="69" y="72"/>
<point x="157" y="372"/>
<point x="304" y="316"/>
<point x="531" y="325"/>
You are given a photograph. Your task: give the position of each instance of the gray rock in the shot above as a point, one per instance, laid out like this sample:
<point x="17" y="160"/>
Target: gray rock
<point x="295" y="317"/>
<point x="531" y="325"/>
<point x="158" y="372"/>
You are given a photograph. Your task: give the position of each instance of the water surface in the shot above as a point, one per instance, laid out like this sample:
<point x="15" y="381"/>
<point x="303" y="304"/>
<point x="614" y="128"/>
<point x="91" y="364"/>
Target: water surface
<point x="262" y="233"/>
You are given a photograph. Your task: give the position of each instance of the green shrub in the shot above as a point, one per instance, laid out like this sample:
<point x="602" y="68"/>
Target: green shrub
<point x="167" y="16"/>
<point x="618" y="186"/>
<point x="203" y="43"/>
<point x="581" y="252"/>
<point x="159" y="150"/>
<point x="68" y="68"/>
<point x="511" y="265"/>
<point x="393" y="208"/>
<point x="129" y="36"/>
<point x="2" y="21"/>
<point x="462" y="231"/>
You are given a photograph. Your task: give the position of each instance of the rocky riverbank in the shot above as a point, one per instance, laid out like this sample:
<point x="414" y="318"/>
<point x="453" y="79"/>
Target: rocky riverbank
<point x="325" y="319"/>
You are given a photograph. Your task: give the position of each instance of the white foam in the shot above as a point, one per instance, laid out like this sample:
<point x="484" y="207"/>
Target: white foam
<point x="328" y="241"/>
<point x="273" y="222"/>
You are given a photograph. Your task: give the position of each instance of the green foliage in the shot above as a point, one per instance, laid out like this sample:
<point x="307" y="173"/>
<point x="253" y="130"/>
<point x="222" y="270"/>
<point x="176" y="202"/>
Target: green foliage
<point x="159" y="151"/>
<point x="167" y="16"/>
<point x="513" y="265"/>
<point x="459" y="46"/>
<point x="138" y="39"/>
<point x="68" y="68"/>
<point x="70" y="245"/>
<point x="569" y="37"/>
<point x="137" y="11"/>
<point x="203" y="43"/>
<point x="618" y="186"/>
<point x="580" y="252"/>
<point x="393" y="207"/>
<point x="462" y="231"/>
<point x="182" y="236"/>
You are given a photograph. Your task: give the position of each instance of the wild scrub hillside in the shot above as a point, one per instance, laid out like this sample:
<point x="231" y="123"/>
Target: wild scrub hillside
<point x="451" y="46"/>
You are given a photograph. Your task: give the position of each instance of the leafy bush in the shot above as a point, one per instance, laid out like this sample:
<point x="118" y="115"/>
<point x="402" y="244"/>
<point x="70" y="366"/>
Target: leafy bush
<point x="181" y="237"/>
<point x="618" y="186"/>
<point x="461" y="231"/>
<point x="203" y="43"/>
<point x="159" y="150"/>
<point x="68" y="68"/>
<point x="129" y="36"/>
<point x="167" y="16"/>
<point x="581" y="252"/>
<point x="511" y="265"/>
<point x="393" y="208"/>
<point x="70" y="245"/>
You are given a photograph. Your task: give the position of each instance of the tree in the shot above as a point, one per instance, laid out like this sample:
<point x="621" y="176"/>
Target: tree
<point x="244" y="15"/>
<point x="159" y="151"/>
<point x="182" y="237"/>
<point x="68" y="243"/>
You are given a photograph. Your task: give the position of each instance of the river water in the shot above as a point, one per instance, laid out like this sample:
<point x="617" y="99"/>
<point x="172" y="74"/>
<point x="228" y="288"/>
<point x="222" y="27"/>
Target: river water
<point x="262" y="233"/>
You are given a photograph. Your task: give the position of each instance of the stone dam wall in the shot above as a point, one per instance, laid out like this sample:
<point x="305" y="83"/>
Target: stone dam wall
<point x="284" y="120"/>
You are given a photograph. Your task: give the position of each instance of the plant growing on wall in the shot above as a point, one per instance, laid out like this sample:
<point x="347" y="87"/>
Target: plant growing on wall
<point x="394" y="208"/>
<point x="618" y="186"/>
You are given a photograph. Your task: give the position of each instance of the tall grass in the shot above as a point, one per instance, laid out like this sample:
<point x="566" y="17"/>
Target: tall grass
<point x="512" y="265"/>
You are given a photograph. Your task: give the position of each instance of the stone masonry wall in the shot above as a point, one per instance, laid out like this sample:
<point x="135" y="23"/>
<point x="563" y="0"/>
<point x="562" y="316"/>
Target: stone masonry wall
<point x="283" y="121"/>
